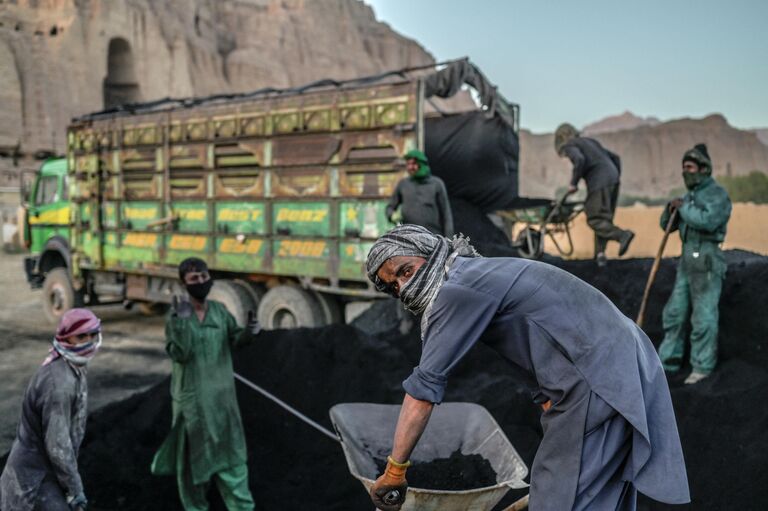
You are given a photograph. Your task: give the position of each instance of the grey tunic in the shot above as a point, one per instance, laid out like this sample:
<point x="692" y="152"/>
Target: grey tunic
<point x="598" y="166"/>
<point x="48" y="438"/>
<point x="424" y="203"/>
<point x="582" y="353"/>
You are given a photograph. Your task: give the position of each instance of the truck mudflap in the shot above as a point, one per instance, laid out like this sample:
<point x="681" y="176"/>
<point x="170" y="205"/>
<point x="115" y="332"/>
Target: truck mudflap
<point x="34" y="278"/>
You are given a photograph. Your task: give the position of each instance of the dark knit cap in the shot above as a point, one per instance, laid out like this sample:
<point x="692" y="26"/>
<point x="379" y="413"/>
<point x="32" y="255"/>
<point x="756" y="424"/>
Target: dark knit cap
<point x="700" y="156"/>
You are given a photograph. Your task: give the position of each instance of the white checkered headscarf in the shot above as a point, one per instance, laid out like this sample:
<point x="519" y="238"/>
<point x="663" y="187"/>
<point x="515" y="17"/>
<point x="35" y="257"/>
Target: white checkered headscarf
<point x="413" y="240"/>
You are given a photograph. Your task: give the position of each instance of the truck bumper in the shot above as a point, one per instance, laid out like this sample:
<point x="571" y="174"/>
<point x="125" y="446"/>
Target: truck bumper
<point x="34" y="278"/>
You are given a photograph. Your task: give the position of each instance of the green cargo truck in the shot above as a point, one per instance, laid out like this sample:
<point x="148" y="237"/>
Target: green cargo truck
<point x="281" y="192"/>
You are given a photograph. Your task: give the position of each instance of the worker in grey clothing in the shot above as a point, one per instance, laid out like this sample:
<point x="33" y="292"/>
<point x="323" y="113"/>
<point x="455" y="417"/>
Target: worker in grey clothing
<point x="41" y="471"/>
<point x="601" y="170"/>
<point x="609" y="427"/>
<point x="422" y="197"/>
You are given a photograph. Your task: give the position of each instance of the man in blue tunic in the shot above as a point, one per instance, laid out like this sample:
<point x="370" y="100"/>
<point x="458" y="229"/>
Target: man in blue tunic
<point x="609" y="427"/>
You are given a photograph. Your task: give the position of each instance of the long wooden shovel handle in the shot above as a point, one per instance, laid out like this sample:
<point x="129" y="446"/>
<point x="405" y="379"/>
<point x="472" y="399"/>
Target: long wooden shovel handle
<point x="655" y="268"/>
<point x="518" y="505"/>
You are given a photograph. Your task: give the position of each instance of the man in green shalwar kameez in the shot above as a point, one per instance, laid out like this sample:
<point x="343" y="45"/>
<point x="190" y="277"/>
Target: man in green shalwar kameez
<point x="206" y="439"/>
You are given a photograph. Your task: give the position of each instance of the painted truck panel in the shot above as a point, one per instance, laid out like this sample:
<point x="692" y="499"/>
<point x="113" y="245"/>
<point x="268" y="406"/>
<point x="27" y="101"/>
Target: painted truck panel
<point x="286" y="186"/>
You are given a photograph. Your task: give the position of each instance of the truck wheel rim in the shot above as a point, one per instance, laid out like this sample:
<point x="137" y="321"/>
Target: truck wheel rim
<point x="56" y="299"/>
<point x="284" y="318"/>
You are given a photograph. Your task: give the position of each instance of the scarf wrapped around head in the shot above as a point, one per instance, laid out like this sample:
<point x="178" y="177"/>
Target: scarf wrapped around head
<point x="75" y="322"/>
<point x="424" y="171"/>
<point x="420" y="291"/>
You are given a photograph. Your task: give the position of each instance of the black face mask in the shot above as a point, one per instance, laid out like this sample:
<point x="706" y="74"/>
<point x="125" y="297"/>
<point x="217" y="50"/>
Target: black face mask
<point x="200" y="291"/>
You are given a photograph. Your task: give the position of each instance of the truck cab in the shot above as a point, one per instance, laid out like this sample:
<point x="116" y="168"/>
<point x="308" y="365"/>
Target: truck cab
<point x="46" y="232"/>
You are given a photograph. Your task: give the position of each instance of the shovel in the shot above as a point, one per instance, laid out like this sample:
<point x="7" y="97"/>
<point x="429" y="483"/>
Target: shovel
<point x="655" y="268"/>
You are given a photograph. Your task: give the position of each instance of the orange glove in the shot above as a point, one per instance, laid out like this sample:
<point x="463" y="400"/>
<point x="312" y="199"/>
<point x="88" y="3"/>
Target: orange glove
<point x="546" y="406"/>
<point x="388" y="492"/>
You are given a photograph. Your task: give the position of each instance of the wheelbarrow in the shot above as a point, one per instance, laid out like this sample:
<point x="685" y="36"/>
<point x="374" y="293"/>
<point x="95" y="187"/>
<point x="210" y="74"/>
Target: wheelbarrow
<point x="366" y="431"/>
<point x="542" y="218"/>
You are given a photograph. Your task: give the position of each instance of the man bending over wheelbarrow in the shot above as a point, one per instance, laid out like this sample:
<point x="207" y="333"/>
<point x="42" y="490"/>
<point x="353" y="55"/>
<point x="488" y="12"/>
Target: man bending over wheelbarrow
<point x="609" y="427"/>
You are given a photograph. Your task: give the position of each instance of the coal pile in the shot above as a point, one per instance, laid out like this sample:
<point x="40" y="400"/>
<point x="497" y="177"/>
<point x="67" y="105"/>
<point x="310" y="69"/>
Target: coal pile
<point x="454" y="473"/>
<point x="723" y="420"/>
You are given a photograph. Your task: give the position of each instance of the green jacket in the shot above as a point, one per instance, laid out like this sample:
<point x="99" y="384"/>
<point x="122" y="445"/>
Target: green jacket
<point x="702" y="222"/>
<point x="203" y="394"/>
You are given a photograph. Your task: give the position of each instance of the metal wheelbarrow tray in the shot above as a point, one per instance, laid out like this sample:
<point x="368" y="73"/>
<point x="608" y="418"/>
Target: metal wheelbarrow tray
<point x="366" y="431"/>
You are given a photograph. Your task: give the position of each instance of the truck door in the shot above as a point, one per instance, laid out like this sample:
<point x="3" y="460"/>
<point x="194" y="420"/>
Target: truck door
<point x="48" y="209"/>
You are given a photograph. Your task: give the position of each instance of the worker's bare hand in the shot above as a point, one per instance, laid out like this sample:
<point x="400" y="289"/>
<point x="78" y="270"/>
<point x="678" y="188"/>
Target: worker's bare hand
<point x="675" y="203"/>
<point x="181" y="307"/>
<point x="572" y="189"/>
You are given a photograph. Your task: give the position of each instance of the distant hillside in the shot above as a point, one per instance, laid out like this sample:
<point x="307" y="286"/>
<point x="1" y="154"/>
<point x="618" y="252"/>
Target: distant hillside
<point x="625" y="121"/>
<point x="651" y="155"/>
<point x="762" y="134"/>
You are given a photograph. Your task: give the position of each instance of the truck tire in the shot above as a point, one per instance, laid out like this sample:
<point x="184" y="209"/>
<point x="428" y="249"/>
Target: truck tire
<point x="330" y="306"/>
<point x="236" y="299"/>
<point x="58" y="294"/>
<point x="255" y="290"/>
<point x="290" y="307"/>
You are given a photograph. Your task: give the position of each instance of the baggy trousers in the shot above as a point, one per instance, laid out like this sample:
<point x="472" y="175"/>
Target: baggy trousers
<point x="605" y="455"/>
<point x="232" y="484"/>
<point x="600" y="208"/>
<point x="696" y="293"/>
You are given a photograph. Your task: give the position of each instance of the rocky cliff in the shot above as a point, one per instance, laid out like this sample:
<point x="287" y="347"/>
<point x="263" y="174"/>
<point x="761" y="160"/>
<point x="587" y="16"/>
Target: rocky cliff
<point x="624" y="121"/>
<point x="62" y="58"/>
<point x="651" y="155"/>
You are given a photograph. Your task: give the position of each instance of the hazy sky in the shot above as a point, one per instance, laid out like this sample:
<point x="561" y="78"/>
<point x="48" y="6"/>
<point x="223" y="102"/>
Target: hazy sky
<point x="579" y="61"/>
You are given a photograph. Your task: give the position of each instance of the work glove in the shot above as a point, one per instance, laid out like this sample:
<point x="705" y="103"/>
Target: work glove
<point x="252" y="324"/>
<point x="675" y="204"/>
<point x="181" y="307"/>
<point x="388" y="492"/>
<point x="78" y="502"/>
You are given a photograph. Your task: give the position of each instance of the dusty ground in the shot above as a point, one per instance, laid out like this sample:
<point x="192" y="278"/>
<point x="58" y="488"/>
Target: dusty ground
<point x="132" y="357"/>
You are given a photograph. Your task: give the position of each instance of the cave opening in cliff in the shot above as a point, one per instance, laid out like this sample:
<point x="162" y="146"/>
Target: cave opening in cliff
<point x="120" y="84"/>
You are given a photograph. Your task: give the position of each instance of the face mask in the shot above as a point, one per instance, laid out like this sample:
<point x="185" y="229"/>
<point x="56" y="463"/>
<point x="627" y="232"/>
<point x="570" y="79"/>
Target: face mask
<point x="199" y="291"/>
<point x="692" y="180"/>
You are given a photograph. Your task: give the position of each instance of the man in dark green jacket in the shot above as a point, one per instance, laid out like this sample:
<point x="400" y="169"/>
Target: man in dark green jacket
<point x="702" y="216"/>
<point x="206" y="439"/>
<point x="422" y="197"/>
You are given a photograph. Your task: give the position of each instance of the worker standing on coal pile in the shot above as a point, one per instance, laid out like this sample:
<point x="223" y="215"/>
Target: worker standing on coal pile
<point x="702" y="217"/>
<point x="609" y="427"/>
<point x="41" y="471"/>
<point x="422" y="197"/>
<point x="206" y="439"/>
<point x="601" y="170"/>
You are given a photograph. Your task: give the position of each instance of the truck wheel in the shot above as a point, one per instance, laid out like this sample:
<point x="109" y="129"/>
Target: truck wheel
<point x="58" y="294"/>
<point x="153" y="308"/>
<point x="330" y="306"/>
<point x="289" y="307"/>
<point x="255" y="290"/>
<point x="236" y="299"/>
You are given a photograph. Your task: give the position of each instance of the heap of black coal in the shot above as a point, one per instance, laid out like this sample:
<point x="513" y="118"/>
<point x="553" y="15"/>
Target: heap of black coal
<point x="455" y="473"/>
<point x="723" y="422"/>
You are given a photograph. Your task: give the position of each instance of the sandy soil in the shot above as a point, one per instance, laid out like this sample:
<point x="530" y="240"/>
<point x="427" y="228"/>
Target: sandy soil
<point x="132" y="357"/>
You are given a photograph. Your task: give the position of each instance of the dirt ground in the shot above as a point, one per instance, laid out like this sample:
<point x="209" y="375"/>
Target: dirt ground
<point x="132" y="357"/>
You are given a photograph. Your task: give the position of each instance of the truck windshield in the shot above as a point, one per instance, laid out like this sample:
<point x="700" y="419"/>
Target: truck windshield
<point x="47" y="190"/>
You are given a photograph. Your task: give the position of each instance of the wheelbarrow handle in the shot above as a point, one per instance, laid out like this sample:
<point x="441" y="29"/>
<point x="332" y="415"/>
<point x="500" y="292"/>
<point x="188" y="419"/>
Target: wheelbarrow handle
<point x="391" y="497"/>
